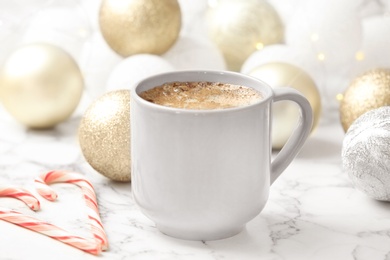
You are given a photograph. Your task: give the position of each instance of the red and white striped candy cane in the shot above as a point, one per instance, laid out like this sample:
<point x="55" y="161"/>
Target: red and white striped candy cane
<point x="39" y="226"/>
<point x="78" y="179"/>
<point x="21" y="194"/>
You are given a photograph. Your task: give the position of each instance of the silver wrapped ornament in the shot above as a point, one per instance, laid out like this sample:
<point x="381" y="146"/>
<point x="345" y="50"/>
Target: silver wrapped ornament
<point x="366" y="153"/>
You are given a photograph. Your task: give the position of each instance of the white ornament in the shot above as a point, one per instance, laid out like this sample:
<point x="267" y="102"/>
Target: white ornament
<point x="92" y="8"/>
<point x="375" y="50"/>
<point x="192" y="13"/>
<point x="13" y="18"/>
<point x="136" y="68"/>
<point x="365" y="153"/>
<point x="194" y="52"/>
<point x="286" y="9"/>
<point x="329" y="30"/>
<point x="97" y="62"/>
<point x="63" y="25"/>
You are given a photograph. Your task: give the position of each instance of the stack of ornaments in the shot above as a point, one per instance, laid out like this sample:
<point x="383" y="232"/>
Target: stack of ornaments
<point x="317" y="47"/>
<point x="365" y="116"/>
<point x="360" y="82"/>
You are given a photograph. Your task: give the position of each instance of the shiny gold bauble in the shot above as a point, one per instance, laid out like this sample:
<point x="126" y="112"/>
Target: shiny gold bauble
<point x="286" y="113"/>
<point x="368" y="91"/>
<point x="239" y="28"/>
<point x="40" y="85"/>
<point x="104" y="135"/>
<point x="140" y="26"/>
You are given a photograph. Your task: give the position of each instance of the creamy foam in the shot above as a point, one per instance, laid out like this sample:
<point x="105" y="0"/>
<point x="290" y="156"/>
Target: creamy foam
<point x="201" y="95"/>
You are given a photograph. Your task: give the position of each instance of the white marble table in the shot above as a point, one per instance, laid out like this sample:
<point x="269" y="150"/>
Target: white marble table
<point x="313" y="211"/>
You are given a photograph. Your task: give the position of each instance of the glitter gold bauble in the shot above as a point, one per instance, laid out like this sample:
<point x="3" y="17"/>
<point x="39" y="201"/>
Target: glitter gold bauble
<point x="286" y="114"/>
<point x="40" y="85"/>
<point x="239" y="28"/>
<point x="365" y="153"/>
<point x="366" y="92"/>
<point x="140" y="26"/>
<point x="104" y="135"/>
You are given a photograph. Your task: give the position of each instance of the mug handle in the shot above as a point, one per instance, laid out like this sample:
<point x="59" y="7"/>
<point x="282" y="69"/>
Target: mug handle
<point x="300" y="133"/>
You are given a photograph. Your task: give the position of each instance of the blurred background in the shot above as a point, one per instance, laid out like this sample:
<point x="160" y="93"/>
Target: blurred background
<point x="329" y="42"/>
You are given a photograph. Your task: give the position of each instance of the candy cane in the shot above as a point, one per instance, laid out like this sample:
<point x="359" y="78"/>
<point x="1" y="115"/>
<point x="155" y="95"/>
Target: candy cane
<point x="21" y="194"/>
<point x="39" y="226"/>
<point x="47" y="192"/>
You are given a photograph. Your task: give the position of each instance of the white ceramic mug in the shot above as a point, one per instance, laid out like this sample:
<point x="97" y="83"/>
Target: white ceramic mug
<point x="203" y="174"/>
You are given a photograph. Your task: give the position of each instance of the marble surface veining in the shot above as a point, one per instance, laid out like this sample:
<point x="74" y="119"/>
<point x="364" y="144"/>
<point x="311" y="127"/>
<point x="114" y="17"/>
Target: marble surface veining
<point x="313" y="211"/>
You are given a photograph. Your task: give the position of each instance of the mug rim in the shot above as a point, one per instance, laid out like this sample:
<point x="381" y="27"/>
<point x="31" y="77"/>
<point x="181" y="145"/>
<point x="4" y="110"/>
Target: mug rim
<point x="265" y="90"/>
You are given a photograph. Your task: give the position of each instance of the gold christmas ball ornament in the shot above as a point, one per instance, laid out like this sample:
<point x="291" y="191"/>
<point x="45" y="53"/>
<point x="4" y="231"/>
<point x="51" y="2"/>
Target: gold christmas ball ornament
<point x="239" y="28"/>
<point x="365" y="153"/>
<point x="104" y="135"/>
<point x="140" y="26"/>
<point x="40" y="85"/>
<point x="368" y="91"/>
<point x="286" y="114"/>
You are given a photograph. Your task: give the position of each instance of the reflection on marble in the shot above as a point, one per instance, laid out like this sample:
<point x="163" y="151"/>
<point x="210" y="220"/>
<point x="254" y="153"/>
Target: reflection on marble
<point x="313" y="211"/>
